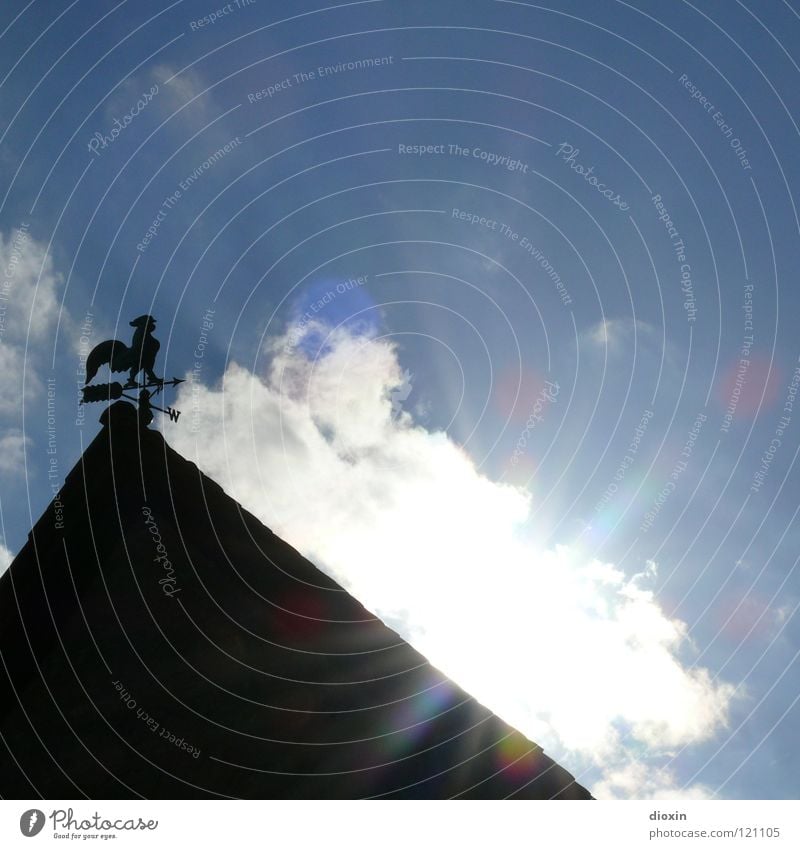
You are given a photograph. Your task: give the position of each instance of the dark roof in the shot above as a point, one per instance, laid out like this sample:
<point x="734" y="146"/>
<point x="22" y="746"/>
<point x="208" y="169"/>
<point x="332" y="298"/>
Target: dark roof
<point x="221" y="664"/>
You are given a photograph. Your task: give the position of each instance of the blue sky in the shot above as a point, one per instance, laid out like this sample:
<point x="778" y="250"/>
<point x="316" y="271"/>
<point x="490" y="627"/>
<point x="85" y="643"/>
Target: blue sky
<point x="550" y="249"/>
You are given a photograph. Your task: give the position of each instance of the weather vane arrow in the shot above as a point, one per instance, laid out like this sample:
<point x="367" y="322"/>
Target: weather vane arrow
<point x="139" y="357"/>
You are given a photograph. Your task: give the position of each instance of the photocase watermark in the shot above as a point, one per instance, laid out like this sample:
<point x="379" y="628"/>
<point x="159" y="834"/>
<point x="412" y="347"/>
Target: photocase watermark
<point x="719" y="119"/>
<point x="298" y="328"/>
<point x="627" y="461"/>
<point x="677" y="470"/>
<point x="489" y="157"/>
<point x="223" y="12"/>
<point x="569" y="155"/>
<point x="18" y="242"/>
<point x="475" y="218"/>
<point x="184" y="185"/>
<point x="743" y="366"/>
<point x="31" y="822"/>
<point x="679" y="250"/>
<point x="152" y="723"/>
<point x="777" y="439"/>
<point x="496" y="226"/>
<point x="527" y="245"/>
<point x="66" y="825"/>
<point x="53" y="475"/>
<point x="318" y="73"/>
<point x="84" y="346"/>
<point x="169" y="583"/>
<point x="206" y="326"/>
<point x="100" y="141"/>
<point x="548" y="394"/>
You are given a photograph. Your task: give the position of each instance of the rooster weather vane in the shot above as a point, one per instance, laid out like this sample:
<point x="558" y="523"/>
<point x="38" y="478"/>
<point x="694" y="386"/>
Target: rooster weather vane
<point x="139" y="357"/>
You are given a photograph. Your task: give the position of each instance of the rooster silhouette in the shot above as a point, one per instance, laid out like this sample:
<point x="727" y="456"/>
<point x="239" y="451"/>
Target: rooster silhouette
<point x="141" y="356"/>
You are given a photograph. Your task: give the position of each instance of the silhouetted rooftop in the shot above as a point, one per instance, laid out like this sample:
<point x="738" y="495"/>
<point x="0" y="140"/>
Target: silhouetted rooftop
<point x="157" y="640"/>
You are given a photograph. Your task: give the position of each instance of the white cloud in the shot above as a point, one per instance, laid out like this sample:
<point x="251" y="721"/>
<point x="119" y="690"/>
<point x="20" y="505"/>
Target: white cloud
<point x="5" y="558"/>
<point x="12" y="451"/>
<point x="11" y="360"/>
<point x="29" y="309"/>
<point x="574" y="653"/>
<point x="179" y="92"/>
<point x="181" y="88"/>
<point x="641" y="781"/>
<point x="618" y="332"/>
<point x="29" y="286"/>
